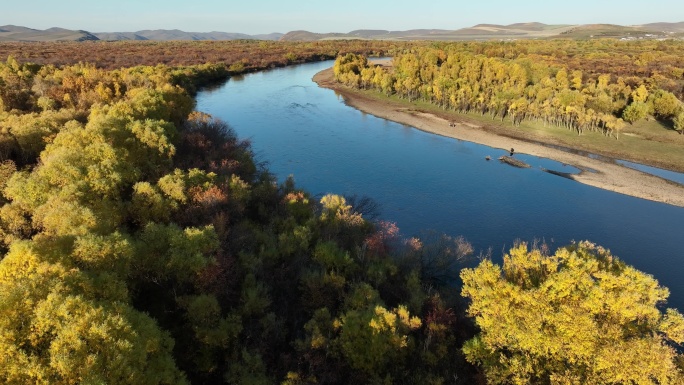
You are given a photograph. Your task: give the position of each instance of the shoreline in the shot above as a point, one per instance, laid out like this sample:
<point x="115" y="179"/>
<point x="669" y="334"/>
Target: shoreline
<point x="604" y="175"/>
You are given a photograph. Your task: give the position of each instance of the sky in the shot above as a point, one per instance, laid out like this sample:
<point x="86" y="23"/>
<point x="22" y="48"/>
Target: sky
<point x="266" y="16"/>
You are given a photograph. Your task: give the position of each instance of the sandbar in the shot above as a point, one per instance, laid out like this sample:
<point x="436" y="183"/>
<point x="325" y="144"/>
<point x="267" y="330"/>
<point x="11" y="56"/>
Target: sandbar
<point x="594" y="172"/>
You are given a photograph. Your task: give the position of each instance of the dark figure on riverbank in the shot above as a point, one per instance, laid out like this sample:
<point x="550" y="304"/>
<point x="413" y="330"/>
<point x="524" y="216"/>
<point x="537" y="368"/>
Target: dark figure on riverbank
<point x="512" y="151"/>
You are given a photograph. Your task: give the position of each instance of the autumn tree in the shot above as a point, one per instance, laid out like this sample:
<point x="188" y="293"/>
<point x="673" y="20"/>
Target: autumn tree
<point x="578" y="316"/>
<point x="68" y="284"/>
<point x="63" y="325"/>
<point x="665" y="104"/>
<point x="635" y="111"/>
<point x="528" y="81"/>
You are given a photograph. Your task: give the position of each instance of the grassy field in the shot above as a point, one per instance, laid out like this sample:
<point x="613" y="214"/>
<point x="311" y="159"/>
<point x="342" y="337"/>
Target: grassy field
<point x="645" y="142"/>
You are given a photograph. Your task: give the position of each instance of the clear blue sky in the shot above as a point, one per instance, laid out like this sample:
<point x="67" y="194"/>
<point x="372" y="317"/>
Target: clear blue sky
<point x="264" y="16"/>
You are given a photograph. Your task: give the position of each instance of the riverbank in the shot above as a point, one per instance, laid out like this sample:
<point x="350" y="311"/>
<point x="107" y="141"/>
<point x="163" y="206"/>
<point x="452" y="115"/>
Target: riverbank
<point x="608" y="176"/>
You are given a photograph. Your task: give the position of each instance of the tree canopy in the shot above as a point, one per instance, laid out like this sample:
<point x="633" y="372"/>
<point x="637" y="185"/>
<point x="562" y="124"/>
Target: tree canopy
<point x="142" y="243"/>
<point x="578" y="316"/>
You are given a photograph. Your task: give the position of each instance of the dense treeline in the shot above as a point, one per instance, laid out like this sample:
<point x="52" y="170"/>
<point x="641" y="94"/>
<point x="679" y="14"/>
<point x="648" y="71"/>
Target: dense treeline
<point x="240" y="55"/>
<point x="141" y="243"/>
<point x="597" y="85"/>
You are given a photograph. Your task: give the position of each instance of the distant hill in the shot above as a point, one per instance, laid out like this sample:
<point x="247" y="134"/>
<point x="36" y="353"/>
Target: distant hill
<point x="480" y="31"/>
<point x="269" y="36"/>
<point x="531" y="26"/>
<point x="119" y="36"/>
<point x="15" y="29"/>
<point x="588" y="31"/>
<point x="533" y="30"/>
<point x="663" y="27"/>
<point x="368" y="33"/>
<point x="311" y="36"/>
<point x="17" y="33"/>
<point x="176" y="34"/>
<point x="517" y="29"/>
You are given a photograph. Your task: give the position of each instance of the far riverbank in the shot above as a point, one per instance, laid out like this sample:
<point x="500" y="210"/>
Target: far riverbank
<point x="604" y="175"/>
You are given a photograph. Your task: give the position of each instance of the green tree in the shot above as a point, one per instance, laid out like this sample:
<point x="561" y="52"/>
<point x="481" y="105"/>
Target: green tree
<point x="375" y="340"/>
<point x="580" y="316"/>
<point x="666" y="104"/>
<point x="679" y="122"/>
<point x="635" y="111"/>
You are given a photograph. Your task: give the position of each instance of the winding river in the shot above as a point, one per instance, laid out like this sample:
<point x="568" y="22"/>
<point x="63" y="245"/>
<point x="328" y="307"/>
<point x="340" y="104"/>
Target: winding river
<point x="428" y="182"/>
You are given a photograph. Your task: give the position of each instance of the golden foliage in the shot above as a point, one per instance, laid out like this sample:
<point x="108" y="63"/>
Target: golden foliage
<point x="579" y="316"/>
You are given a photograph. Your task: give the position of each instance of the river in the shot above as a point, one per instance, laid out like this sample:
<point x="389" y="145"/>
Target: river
<point x="428" y="182"/>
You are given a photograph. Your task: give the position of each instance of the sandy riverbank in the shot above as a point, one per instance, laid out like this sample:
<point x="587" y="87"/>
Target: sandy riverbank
<point x="607" y="176"/>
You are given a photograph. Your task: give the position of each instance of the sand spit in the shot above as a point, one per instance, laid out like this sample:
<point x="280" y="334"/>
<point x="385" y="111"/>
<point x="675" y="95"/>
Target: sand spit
<point x="608" y="176"/>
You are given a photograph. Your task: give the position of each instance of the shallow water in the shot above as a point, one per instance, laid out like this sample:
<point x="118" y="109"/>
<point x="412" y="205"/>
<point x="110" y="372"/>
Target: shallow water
<point x="665" y="174"/>
<point x="426" y="181"/>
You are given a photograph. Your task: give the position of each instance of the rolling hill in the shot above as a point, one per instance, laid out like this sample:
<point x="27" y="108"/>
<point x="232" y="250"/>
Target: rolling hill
<point x="176" y="34"/>
<point x="533" y="30"/>
<point x="589" y="31"/>
<point x="477" y="32"/>
<point x="17" y="33"/>
<point x="664" y="27"/>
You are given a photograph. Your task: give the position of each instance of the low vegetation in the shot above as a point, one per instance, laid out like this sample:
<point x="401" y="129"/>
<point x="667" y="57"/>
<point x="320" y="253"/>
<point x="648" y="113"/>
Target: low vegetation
<point x="142" y="244"/>
<point x="237" y="55"/>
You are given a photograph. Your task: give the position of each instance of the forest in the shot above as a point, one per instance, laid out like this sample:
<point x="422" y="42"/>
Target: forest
<point x="238" y="55"/>
<point x="585" y="86"/>
<point x="142" y="243"/>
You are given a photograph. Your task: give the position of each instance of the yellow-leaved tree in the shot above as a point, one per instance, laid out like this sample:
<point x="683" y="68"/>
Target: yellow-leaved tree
<point x="580" y="316"/>
<point x="62" y="325"/>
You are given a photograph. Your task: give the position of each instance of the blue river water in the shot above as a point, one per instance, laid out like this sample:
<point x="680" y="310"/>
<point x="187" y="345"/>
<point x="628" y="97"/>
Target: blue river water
<point x="428" y="182"/>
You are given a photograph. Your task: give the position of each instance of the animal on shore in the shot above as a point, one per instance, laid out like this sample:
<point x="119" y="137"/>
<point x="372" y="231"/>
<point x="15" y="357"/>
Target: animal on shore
<point x="512" y="151"/>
